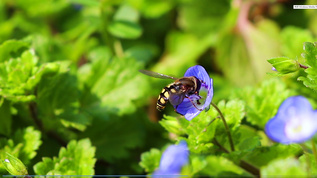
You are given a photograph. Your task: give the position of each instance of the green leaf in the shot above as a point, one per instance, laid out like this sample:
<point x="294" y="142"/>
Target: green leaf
<point x="283" y="167"/>
<point x="250" y="48"/>
<point x="119" y="135"/>
<point x="13" y="165"/>
<point x="310" y="54"/>
<point x="262" y="156"/>
<point x="234" y="111"/>
<point x="150" y="160"/>
<point x="220" y="166"/>
<point x="92" y="3"/>
<point x="172" y="125"/>
<point x="209" y="14"/>
<point x="76" y="159"/>
<point x="125" y="29"/>
<point x="262" y="103"/>
<point x="152" y="8"/>
<point x="20" y="75"/>
<point x="291" y="38"/>
<point x="23" y="145"/>
<point x="6" y="119"/>
<point x="284" y="65"/>
<point x="12" y="49"/>
<point x="113" y="86"/>
<point x="309" y="160"/>
<point x="30" y="140"/>
<point x="58" y="97"/>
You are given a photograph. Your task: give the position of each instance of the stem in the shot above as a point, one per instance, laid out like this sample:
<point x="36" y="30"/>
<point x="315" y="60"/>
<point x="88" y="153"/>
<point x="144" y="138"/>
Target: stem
<point x="302" y="66"/>
<point x="38" y="122"/>
<point x="305" y="152"/>
<point x="314" y="150"/>
<point x="243" y="164"/>
<point x="106" y="15"/>
<point x="226" y="126"/>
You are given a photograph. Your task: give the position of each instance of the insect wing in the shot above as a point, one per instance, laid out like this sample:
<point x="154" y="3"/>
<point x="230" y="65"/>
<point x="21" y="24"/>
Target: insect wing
<point x="176" y="98"/>
<point x="156" y="75"/>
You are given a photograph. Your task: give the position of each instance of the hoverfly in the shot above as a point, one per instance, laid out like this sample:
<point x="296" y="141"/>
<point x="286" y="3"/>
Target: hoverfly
<point x="178" y="90"/>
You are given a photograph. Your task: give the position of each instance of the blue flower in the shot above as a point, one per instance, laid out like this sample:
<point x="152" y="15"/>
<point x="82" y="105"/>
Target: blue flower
<point x="195" y="103"/>
<point x="295" y="121"/>
<point x="173" y="159"/>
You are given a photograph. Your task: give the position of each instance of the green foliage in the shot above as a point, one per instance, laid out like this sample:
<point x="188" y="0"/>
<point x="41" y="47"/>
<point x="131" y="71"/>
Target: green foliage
<point x="220" y="166"/>
<point x="284" y="65"/>
<point x="262" y="103"/>
<point x="76" y="159"/>
<point x="281" y="167"/>
<point x="150" y="160"/>
<point x="310" y="53"/>
<point x="22" y="145"/>
<point x="69" y="70"/>
<point x="13" y="165"/>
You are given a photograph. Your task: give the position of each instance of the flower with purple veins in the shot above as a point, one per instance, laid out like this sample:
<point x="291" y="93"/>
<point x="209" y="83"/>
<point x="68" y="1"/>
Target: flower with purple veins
<point x="173" y="159"/>
<point x="195" y="103"/>
<point x="295" y="121"/>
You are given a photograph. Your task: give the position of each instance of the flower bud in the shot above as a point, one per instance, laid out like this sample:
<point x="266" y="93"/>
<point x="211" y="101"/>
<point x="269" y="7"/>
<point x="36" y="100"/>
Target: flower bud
<point x="13" y="165"/>
<point x="284" y="65"/>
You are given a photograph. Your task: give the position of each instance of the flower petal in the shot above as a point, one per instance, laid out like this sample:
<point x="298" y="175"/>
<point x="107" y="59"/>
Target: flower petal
<point x="274" y="129"/>
<point x="296" y="105"/>
<point x="173" y="159"/>
<point x="295" y="121"/>
<point x="187" y="107"/>
<point x="199" y="72"/>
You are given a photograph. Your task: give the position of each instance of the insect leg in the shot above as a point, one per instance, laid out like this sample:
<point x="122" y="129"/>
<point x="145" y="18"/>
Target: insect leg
<point x="194" y="103"/>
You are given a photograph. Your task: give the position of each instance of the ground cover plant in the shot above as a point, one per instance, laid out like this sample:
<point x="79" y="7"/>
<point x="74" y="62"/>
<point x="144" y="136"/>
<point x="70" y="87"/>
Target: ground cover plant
<point x="241" y="76"/>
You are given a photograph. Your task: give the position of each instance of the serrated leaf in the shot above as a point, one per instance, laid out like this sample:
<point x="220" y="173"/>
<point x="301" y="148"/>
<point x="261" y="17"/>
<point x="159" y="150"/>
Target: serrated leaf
<point x="115" y="86"/>
<point x="76" y="159"/>
<point x="262" y="103"/>
<point x="150" y="160"/>
<point x="310" y="55"/>
<point x="12" y="49"/>
<point x="23" y="145"/>
<point x="283" y="167"/>
<point x="262" y="156"/>
<point x="171" y="124"/>
<point x="31" y="140"/>
<point x="220" y="166"/>
<point x="58" y="97"/>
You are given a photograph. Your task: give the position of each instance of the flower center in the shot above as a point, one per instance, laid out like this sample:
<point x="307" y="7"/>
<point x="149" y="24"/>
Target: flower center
<point x="298" y="128"/>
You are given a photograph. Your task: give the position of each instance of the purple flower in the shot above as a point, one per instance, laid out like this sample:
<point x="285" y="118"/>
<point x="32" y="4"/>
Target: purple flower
<point x="295" y="121"/>
<point x="195" y="103"/>
<point x="173" y="159"/>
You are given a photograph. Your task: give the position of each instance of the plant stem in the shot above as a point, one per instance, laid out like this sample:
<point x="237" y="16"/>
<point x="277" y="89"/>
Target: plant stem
<point x="302" y="66"/>
<point x="226" y="126"/>
<point x="243" y="164"/>
<point x="314" y="150"/>
<point x="38" y="122"/>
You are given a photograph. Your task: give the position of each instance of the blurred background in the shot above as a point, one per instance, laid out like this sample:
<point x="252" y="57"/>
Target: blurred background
<point x="99" y="47"/>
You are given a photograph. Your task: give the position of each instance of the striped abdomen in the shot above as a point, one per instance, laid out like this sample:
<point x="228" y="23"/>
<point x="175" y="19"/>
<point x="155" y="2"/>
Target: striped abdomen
<point x="164" y="96"/>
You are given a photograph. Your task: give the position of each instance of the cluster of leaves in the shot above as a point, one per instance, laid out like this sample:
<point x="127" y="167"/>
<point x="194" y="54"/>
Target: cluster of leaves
<point x="72" y="99"/>
<point x="246" y="112"/>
